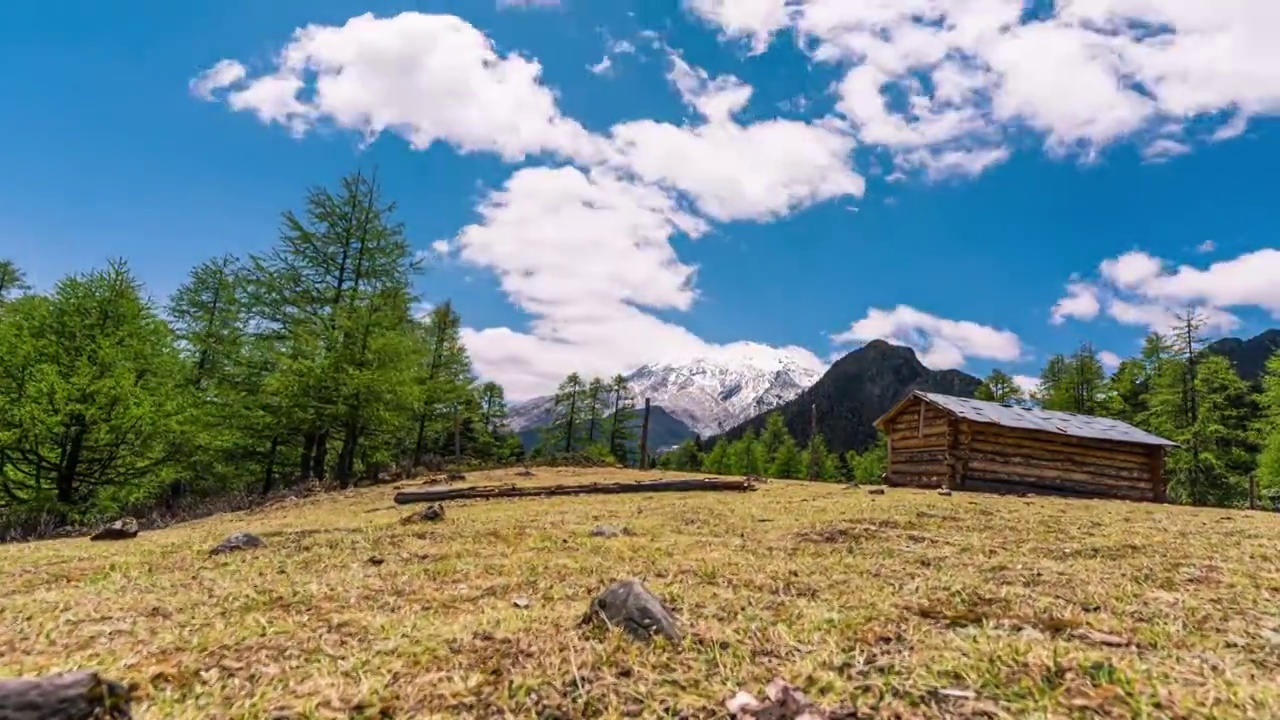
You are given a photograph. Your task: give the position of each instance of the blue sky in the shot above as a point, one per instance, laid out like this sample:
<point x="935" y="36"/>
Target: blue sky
<point x="737" y="180"/>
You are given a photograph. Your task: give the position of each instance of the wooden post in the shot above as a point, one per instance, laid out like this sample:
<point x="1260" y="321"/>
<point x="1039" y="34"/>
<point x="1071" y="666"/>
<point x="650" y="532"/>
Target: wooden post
<point x="644" y="438"/>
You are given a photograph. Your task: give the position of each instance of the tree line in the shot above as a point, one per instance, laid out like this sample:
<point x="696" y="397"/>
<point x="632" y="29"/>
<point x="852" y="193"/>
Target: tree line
<point x="1228" y="429"/>
<point x="774" y="453"/>
<point x="309" y="361"/>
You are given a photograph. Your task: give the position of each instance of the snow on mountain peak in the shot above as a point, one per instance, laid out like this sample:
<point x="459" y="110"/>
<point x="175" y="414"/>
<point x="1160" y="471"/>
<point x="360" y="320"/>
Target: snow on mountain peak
<point x="709" y="394"/>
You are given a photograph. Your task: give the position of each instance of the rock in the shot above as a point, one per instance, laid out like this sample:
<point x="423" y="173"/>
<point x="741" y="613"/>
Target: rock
<point x="877" y="490"/>
<point x="455" y="477"/>
<point x="238" y="541"/>
<point x="79" y="695"/>
<point x="628" y="604"/>
<point x="609" y="531"/>
<point x="944" y="491"/>
<point x="431" y="513"/>
<point x="122" y="529"/>
<point x="377" y="560"/>
<point x="521" y="602"/>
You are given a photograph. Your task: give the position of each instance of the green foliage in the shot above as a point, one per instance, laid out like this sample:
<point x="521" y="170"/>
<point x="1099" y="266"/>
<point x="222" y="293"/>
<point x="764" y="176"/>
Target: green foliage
<point x="1000" y="387"/>
<point x="307" y="360"/>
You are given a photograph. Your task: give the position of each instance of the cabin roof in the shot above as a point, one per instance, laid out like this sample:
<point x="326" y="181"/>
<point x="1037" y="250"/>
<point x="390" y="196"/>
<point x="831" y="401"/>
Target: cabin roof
<point x="1031" y="418"/>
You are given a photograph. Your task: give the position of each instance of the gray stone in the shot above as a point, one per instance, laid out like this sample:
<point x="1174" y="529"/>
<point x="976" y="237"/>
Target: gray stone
<point x="876" y="490"/>
<point x="944" y="491"/>
<point x="238" y="541"/>
<point x="79" y="695"/>
<point x="122" y="529"/>
<point x="629" y="605"/>
<point x="432" y="513"/>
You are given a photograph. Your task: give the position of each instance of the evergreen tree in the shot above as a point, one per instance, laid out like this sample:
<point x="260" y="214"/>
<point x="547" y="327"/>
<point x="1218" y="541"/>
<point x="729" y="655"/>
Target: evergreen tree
<point x="13" y="281"/>
<point x="89" y="396"/>
<point x="717" y="461"/>
<point x="1000" y="387"/>
<point x="569" y="409"/>
<point x="595" y="401"/>
<point x="820" y="465"/>
<point x="622" y="417"/>
<point x="1268" y="429"/>
<point x="787" y="461"/>
<point x="772" y="437"/>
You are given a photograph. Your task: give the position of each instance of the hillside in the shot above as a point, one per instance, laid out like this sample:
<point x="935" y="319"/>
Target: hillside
<point x="664" y="430"/>
<point x="964" y="607"/>
<point x="1248" y="356"/>
<point x="858" y="389"/>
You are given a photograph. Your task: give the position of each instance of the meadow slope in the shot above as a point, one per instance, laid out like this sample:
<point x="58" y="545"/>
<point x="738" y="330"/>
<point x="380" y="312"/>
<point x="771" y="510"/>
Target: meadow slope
<point x="910" y="603"/>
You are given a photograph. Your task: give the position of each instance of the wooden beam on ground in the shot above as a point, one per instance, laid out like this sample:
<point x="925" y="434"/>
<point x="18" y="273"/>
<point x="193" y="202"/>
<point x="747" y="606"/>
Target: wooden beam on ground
<point x="483" y="492"/>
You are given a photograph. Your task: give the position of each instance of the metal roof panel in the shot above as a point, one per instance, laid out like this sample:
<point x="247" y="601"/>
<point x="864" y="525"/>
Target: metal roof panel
<point x="1054" y="421"/>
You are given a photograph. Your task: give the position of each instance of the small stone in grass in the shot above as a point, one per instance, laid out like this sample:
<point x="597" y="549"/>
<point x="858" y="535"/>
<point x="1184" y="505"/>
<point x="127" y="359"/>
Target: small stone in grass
<point x="521" y="602"/>
<point x="875" y="490"/>
<point x="629" y="605"/>
<point x="609" y="531"/>
<point x="377" y="560"/>
<point x="431" y="513"/>
<point x="944" y="491"/>
<point x="122" y="529"/>
<point x="238" y="541"/>
<point x="78" y="695"/>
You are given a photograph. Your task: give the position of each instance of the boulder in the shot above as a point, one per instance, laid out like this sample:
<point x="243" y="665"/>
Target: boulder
<point x="122" y="529"/>
<point x="629" y="605"/>
<point x="238" y="541"/>
<point x="79" y="695"/>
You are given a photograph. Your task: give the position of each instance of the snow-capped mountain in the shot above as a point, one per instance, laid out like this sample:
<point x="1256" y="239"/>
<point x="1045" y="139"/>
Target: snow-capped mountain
<point x="708" y="395"/>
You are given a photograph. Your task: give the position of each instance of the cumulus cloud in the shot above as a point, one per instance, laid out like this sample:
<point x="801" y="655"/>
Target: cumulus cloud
<point x="1081" y="302"/>
<point x="1142" y="290"/>
<point x="941" y="343"/>
<point x="1110" y="361"/>
<point x="588" y="255"/>
<point x="1083" y="75"/>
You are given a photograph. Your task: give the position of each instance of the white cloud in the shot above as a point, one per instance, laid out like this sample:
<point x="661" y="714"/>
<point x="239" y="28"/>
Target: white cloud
<point x="1110" y="361"/>
<point x="1207" y="246"/>
<point x="1089" y="74"/>
<point x="940" y="343"/>
<point x="589" y="256"/>
<point x="427" y="78"/>
<point x="756" y="20"/>
<point x="223" y="74"/>
<point x="1081" y="303"/>
<point x="1027" y="383"/>
<point x="1145" y="291"/>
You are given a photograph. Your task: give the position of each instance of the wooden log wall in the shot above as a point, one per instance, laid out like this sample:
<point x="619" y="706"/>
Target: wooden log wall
<point x="1013" y="460"/>
<point x="918" y="442"/>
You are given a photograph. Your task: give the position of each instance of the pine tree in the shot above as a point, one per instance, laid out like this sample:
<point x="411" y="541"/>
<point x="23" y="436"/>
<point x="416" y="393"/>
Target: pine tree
<point x="1268" y="430"/>
<point x="594" y="403"/>
<point x="819" y="463"/>
<point x="89" y="405"/>
<point x="772" y="437"/>
<point x="622" y="417"/>
<point x="569" y="410"/>
<point x="717" y="461"/>
<point x="787" y="461"/>
<point x="13" y="281"/>
<point x="1000" y="387"/>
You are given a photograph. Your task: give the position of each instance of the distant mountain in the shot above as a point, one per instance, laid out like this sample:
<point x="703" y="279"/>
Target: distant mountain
<point x="858" y="389"/>
<point x="665" y="431"/>
<point x="708" y="396"/>
<point x="1248" y="356"/>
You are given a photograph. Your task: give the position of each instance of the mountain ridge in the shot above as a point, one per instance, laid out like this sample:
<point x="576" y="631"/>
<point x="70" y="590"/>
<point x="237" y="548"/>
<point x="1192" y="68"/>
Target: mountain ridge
<point x="855" y="391"/>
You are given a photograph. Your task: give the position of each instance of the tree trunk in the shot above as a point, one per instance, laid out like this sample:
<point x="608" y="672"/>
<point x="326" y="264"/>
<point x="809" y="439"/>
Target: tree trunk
<point x="66" y="479"/>
<point x="568" y="429"/>
<point x="319" y="463"/>
<point x="457" y="431"/>
<point x="644" y="437"/>
<point x="308" y="455"/>
<point x="347" y="455"/>
<point x="269" y="474"/>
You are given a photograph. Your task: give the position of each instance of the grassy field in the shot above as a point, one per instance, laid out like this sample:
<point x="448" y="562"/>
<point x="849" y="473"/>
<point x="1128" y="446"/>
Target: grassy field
<point x="908" y="604"/>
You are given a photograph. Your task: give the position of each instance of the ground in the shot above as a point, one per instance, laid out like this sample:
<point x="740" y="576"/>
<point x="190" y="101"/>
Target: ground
<point x="931" y="606"/>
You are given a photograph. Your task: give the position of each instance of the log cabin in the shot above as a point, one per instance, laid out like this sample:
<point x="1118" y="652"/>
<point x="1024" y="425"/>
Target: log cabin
<point x="964" y="444"/>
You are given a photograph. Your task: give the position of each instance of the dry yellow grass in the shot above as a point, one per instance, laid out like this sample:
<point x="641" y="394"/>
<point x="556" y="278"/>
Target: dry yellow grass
<point x="1022" y="607"/>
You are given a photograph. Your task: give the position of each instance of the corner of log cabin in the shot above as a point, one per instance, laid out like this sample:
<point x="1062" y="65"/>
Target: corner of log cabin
<point x="917" y="443"/>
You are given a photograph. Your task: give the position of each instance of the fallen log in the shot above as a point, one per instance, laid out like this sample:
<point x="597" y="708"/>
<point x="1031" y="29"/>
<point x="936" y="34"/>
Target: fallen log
<point x="513" y="491"/>
<point x="82" y="695"/>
